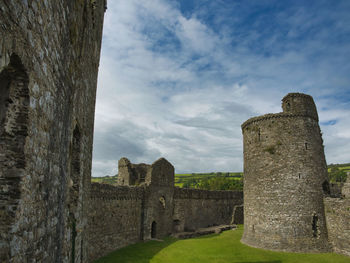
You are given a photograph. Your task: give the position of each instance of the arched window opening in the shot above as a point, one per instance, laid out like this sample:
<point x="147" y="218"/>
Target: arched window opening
<point x="154" y="230"/>
<point x="14" y="103"/>
<point x="162" y="201"/>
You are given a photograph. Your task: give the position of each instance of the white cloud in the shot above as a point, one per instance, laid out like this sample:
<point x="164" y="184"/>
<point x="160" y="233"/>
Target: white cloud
<point x="170" y="85"/>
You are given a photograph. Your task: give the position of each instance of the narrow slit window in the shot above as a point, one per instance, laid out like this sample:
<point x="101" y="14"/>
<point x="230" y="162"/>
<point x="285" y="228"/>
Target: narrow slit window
<point x="288" y="106"/>
<point x="315" y="226"/>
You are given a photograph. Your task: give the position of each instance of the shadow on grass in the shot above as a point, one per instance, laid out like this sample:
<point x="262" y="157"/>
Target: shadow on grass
<point x="137" y="253"/>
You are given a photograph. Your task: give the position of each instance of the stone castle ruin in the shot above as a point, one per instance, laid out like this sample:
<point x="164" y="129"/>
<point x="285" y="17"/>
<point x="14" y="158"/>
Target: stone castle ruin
<point x="286" y="182"/>
<point x="51" y="212"/>
<point x="146" y="205"/>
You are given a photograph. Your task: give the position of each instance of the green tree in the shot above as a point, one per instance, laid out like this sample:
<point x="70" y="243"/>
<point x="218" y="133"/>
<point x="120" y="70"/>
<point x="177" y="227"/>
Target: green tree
<point x="336" y="175"/>
<point x="190" y="183"/>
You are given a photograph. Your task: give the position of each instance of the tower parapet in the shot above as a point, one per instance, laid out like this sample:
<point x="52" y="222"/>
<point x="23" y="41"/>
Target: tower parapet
<point x="300" y="104"/>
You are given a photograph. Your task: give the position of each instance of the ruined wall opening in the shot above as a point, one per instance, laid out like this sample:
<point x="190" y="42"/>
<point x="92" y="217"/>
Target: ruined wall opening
<point x="162" y="201"/>
<point x="326" y="188"/>
<point x="176" y="225"/>
<point x="14" y="104"/>
<point x="154" y="229"/>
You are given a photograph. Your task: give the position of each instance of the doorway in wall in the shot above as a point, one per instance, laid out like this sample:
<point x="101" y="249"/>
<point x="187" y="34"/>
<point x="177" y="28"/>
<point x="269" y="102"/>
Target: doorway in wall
<point x="154" y="230"/>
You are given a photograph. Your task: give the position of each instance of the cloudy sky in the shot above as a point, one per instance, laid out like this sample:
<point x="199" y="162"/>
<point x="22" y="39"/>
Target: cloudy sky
<point x="178" y="78"/>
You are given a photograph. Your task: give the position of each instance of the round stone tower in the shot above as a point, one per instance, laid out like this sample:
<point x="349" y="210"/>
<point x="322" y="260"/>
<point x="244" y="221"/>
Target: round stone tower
<point x="285" y="178"/>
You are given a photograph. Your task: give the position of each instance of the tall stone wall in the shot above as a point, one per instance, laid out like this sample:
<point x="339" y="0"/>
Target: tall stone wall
<point x="338" y="224"/>
<point x="195" y="209"/>
<point x="126" y="214"/>
<point x="338" y="220"/>
<point x="123" y="215"/>
<point x="49" y="56"/>
<point x="115" y="218"/>
<point x="285" y="175"/>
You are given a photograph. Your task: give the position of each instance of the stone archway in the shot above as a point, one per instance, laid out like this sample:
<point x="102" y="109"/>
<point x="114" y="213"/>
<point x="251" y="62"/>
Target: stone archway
<point x="14" y="104"/>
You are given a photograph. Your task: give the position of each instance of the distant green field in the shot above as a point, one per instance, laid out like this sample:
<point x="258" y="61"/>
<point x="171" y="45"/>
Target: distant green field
<point x="192" y="178"/>
<point x="344" y="168"/>
<point x="181" y="179"/>
<point x="105" y="180"/>
<point x="216" y="248"/>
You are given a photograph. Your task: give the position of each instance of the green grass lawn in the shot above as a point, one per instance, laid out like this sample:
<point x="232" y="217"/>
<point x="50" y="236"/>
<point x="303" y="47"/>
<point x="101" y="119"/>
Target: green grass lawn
<point x="216" y="248"/>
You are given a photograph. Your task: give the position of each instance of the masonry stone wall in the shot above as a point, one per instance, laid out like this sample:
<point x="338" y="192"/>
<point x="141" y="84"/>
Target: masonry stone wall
<point x="285" y="177"/>
<point x="338" y="224"/>
<point x="195" y="208"/>
<point x="132" y="174"/>
<point x="49" y="56"/>
<point x="126" y="214"/>
<point x="338" y="220"/>
<point x="114" y="218"/>
<point x="346" y="187"/>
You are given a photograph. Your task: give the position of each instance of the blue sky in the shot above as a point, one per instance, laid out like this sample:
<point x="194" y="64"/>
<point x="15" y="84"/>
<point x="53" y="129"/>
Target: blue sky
<point x="178" y="78"/>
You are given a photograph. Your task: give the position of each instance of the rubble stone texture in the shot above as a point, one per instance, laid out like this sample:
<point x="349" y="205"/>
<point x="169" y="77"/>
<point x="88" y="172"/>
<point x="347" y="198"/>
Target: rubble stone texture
<point x="49" y="57"/>
<point x="285" y="177"/>
<point x="338" y="224"/>
<point x="338" y="220"/>
<point x="346" y="187"/>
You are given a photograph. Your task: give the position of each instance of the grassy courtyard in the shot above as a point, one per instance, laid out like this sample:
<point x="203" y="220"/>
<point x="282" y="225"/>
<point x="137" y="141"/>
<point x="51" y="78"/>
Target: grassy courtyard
<point x="216" y="248"/>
